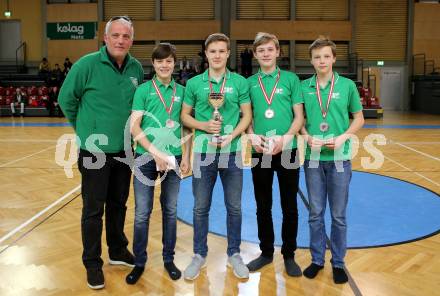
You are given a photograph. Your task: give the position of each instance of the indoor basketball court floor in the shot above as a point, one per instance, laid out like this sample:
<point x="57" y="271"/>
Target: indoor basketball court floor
<point x="393" y="221"/>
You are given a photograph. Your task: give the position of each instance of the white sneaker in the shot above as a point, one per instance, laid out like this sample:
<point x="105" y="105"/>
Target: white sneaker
<point x="238" y="267"/>
<point x="192" y="271"/>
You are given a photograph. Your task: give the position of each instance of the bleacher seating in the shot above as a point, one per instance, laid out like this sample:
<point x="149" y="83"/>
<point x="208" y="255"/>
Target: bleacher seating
<point x="38" y="100"/>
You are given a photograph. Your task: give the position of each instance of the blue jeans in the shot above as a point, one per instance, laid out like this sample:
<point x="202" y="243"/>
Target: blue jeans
<point x="329" y="180"/>
<point x="231" y="174"/>
<point x="143" y="182"/>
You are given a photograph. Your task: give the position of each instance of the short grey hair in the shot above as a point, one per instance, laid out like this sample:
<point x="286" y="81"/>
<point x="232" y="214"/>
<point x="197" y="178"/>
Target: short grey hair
<point x="124" y="20"/>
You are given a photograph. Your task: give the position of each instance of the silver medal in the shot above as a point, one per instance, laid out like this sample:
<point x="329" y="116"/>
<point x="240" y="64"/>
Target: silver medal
<point x="269" y="113"/>
<point x="323" y="127"/>
<point x="169" y="123"/>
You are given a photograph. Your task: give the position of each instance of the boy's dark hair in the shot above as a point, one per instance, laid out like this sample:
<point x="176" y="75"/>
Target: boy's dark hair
<point x="218" y="37"/>
<point x="322" y="42"/>
<point x="164" y="50"/>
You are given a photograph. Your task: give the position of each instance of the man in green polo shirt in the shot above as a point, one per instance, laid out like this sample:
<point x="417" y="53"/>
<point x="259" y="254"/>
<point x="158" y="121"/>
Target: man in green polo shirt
<point x="96" y="98"/>
<point x="328" y="100"/>
<point x="217" y="149"/>
<point x="277" y="106"/>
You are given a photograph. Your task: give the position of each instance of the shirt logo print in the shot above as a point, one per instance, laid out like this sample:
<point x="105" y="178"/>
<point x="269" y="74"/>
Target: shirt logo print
<point x="336" y="96"/>
<point x="134" y="80"/>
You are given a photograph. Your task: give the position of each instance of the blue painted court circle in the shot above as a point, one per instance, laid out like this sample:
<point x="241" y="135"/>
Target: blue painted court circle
<point x="381" y="211"/>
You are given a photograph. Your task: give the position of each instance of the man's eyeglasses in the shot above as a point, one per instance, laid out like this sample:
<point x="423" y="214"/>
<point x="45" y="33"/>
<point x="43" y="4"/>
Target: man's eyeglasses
<point x="124" y="17"/>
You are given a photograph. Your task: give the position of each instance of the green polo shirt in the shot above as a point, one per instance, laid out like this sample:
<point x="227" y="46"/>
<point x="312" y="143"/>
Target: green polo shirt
<point x="345" y="99"/>
<point x="236" y="94"/>
<point x="96" y="98"/>
<point x="287" y="94"/>
<point x="155" y="116"/>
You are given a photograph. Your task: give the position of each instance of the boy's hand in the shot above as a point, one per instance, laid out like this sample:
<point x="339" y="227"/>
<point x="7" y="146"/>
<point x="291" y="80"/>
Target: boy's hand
<point x="212" y="126"/>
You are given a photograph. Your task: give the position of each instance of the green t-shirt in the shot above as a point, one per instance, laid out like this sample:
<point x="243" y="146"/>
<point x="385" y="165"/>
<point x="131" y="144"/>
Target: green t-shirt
<point x="155" y="116"/>
<point x="287" y="94"/>
<point x="236" y="94"/>
<point x="345" y="99"/>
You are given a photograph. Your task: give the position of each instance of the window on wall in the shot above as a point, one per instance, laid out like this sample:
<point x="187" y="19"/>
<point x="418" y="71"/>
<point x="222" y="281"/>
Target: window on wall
<point x="283" y="60"/>
<point x="187" y="10"/>
<point x="70" y="1"/>
<point x="380" y="31"/>
<point x="142" y="50"/>
<point x="190" y="50"/>
<point x="263" y="9"/>
<point x="322" y="9"/>
<point x="302" y="51"/>
<point x="135" y="9"/>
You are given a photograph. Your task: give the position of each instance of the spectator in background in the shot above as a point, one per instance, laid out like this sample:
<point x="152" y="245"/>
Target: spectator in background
<point x="44" y="69"/>
<point x="18" y="102"/>
<point x="67" y="65"/>
<point x="197" y="63"/>
<point x="56" y="76"/>
<point x="184" y="64"/>
<point x="44" y="66"/>
<point x="184" y="76"/>
<point x="246" y="62"/>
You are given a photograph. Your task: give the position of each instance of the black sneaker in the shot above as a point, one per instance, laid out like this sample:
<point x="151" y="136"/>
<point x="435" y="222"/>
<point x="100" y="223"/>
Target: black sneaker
<point x="292" y="268"/>
<point x="134" y="275"/>
<point x="339" y="275"/>
<point x="95" y="278"/>
<point x="125" y="258"/>
<point x="259" y="262"/>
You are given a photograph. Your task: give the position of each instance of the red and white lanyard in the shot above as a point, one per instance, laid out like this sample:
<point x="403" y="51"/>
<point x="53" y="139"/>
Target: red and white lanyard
<point x="269" y="99"/>
<point x="318" y="93"/>
<point x="170" y="108"/>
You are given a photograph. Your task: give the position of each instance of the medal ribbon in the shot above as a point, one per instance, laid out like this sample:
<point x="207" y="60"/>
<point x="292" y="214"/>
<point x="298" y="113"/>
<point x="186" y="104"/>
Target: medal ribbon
<point x="269" y="99"/>
<point x="167" y="109"/>
<point x="318" y="93"/>
<point x="223" y="84"/>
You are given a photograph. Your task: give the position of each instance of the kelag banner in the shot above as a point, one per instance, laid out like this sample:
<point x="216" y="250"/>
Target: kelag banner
<point x="71" y="30"/>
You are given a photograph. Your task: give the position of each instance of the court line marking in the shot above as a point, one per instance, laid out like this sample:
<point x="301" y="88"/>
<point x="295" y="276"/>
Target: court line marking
<point x="25" y="157"/>
<point x="5" y="247"/>
<point x="408" y="169"/>
<point x="27" y="141"/>
<point x="33" y="154"/>
<point x="39" y="214"/>
<point x="417" y="151"/>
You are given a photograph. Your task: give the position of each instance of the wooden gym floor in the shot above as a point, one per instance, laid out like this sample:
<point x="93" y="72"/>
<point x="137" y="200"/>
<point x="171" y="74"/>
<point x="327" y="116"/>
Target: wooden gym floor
<point x="40" y="240"/>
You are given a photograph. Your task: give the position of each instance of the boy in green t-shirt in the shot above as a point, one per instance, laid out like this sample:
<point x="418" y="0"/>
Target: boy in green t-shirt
<point x="328" y="100"/>
<point x="217" y="149"/>
<point x="155" y="126"/>
<point x="277" y="105"/>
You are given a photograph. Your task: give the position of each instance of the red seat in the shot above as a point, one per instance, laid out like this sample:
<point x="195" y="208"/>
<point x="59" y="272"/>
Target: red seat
<point x="364" y="102"/>
<point x="43" y="91"/>
<point x="32" y="101"/>
<point x="9" y="99"/>
<point x="43" y="100"/>
<point x="10" y="91"/>
<point x="32" y="91"/>
<point x="374" y="103"/>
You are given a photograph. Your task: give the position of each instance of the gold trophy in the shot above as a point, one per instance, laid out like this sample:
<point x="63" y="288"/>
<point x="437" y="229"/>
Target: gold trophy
<point x="216" y="100"/>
